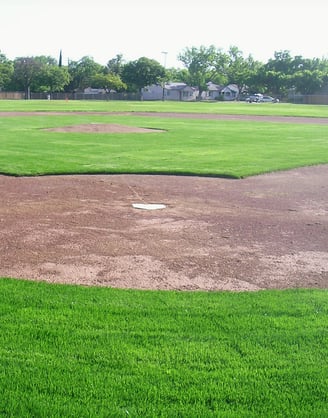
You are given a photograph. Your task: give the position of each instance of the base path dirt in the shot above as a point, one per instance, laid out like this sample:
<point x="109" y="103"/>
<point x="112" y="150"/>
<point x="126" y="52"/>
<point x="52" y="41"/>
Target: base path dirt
<point x="268" y="231"/>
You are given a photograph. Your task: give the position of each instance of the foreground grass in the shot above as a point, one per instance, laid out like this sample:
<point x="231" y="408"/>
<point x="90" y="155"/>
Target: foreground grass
<point x="280" y="109"/>
<point x="189" y="146"/>
<point x="97" y="352"/>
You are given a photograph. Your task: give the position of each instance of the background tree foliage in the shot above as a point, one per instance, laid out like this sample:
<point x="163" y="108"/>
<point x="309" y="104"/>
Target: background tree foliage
<point x="6" y="71"/>
<point x="201" y="65"/>
<point x="142" y="72"/>
<point x="280" y="74"/>
<point x="81" y="73"/>
<point x="26" y="70"/>
<point x="108" y="82"/>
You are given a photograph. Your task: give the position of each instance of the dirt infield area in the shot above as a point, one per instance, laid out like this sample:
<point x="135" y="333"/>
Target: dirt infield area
<point x="268" y="231"/>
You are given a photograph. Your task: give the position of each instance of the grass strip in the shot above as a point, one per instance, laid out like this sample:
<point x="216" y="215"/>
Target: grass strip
<point x="232" y="108"/>
<point x="96" y="352"/>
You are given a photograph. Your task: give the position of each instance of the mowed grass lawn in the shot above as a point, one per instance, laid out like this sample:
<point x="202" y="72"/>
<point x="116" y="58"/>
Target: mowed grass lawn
<point x="232" y="108"/>
<point x="69" y="351"/>
<point x="188" y="146"/>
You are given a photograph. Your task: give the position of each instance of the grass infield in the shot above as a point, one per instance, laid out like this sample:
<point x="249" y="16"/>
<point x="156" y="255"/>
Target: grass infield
<point x="188" y="146"/>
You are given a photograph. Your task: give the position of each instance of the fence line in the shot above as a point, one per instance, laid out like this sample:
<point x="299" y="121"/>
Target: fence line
<point x="86" y="96"/>
<point x="317" y="99"/>
<point x="10" y="95"/>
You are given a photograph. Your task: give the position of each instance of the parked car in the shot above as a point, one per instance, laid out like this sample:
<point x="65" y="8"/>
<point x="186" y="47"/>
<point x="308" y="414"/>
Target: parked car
<point x="260" y="98"/>
<point x="257" y="97"/>
<point x="269" y="99"/>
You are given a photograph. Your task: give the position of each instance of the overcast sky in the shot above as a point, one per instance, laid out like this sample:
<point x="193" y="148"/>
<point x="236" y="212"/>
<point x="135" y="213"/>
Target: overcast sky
<point x="136" y="28"/>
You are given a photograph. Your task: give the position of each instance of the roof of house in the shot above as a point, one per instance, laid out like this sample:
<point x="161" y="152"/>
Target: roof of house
<point x="176" y="86"/>
<point x="231" y="87"/>
<point x="213" y="87"/>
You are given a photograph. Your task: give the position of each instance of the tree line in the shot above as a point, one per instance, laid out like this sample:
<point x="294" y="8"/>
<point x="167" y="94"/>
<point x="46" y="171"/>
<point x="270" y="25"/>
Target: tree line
<point x="201" y="64"/>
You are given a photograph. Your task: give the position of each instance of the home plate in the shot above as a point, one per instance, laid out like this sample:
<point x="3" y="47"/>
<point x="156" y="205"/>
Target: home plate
<point x="149" y="206"/>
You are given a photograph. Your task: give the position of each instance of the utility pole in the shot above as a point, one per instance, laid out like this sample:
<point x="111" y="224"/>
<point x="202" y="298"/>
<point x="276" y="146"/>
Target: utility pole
<point x="165" y="55"/>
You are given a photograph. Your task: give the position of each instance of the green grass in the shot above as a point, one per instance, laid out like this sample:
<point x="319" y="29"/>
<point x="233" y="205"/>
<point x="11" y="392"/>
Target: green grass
<point x="189" y="146"/>
<point x="279" y="109"/>
<point x="69" y="351"/>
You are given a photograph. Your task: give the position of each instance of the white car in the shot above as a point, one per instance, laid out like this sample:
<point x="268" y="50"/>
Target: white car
<point x="269" y="99"/>
<point x="257" y="97"/>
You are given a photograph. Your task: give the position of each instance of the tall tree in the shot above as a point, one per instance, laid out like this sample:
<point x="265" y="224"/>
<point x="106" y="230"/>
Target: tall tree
<point x="241" y="70"/>
<point x="307" y="81"/>
<point x="6" y="71"/>
<point x="81" y="73"/>
<point x="201" y="64"/>
<point x="26" y="70"/>
<point x="115" y="65"/>
<point x="108" y="82"/>
<point x="51" y="78"/>
<point x="281" y="63"/>
<point x="60" y="61"/>
<point x="142" y="72"/>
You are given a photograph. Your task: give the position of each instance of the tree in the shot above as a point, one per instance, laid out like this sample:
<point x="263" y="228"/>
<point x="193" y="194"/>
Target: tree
<point x="142" y="72"/>
<point x="275" y="75"/>
<point x="6" y="71"/>
<point x="285" y="72"/>
<point x="307" y="81"/>
<point x="115" y="65"/>
<point x="108" y="82"/>
<point x="51" y="79"/>
<point x="176" y="74"/>
<point x="81" y="73"/>
<point x="240" y="70"/>
<point x="201" y="64"/>
<point x="282" y="62"/>
<point x="26" y="70"/>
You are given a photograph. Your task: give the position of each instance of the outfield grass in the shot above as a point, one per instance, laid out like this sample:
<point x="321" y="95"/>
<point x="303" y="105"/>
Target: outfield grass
<point x="279" y="109"/>
<point x="189" y="146"/>
<point x="69" y="351"/>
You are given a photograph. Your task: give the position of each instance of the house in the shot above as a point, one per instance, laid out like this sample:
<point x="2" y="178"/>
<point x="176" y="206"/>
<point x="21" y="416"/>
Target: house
<point x="170" y="91"/>
<point x="218" y="92"/>
<point x="90" y="90"/>
<point x="213" y="91"/>
<point x="181" y="92"/>
<point x="230" y="92"/>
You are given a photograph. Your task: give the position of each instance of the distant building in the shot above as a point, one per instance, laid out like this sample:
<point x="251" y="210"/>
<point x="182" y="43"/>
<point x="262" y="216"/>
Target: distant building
<point x="218" y="92"/>
<point x="90" y="90"/>
<point x="170" y="91"/>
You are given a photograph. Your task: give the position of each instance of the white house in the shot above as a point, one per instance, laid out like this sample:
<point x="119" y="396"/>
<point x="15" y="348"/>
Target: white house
<point x="217" y="92"/>
<point x="90" y="90"/>
<point x="230" y="92"/>
<point x="213" y="91"/>
<point x="170" y="91"/>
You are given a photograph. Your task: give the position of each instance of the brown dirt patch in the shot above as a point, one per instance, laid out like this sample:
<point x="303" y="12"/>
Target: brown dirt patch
<point x="268" y="231"/>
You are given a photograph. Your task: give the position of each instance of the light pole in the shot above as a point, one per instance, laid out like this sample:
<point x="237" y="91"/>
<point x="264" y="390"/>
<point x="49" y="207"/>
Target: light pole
<point x="163" y="93"/>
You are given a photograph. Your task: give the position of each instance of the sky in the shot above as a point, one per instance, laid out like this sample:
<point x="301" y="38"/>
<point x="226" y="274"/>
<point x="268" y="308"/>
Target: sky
<point x="161" y="29"/>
